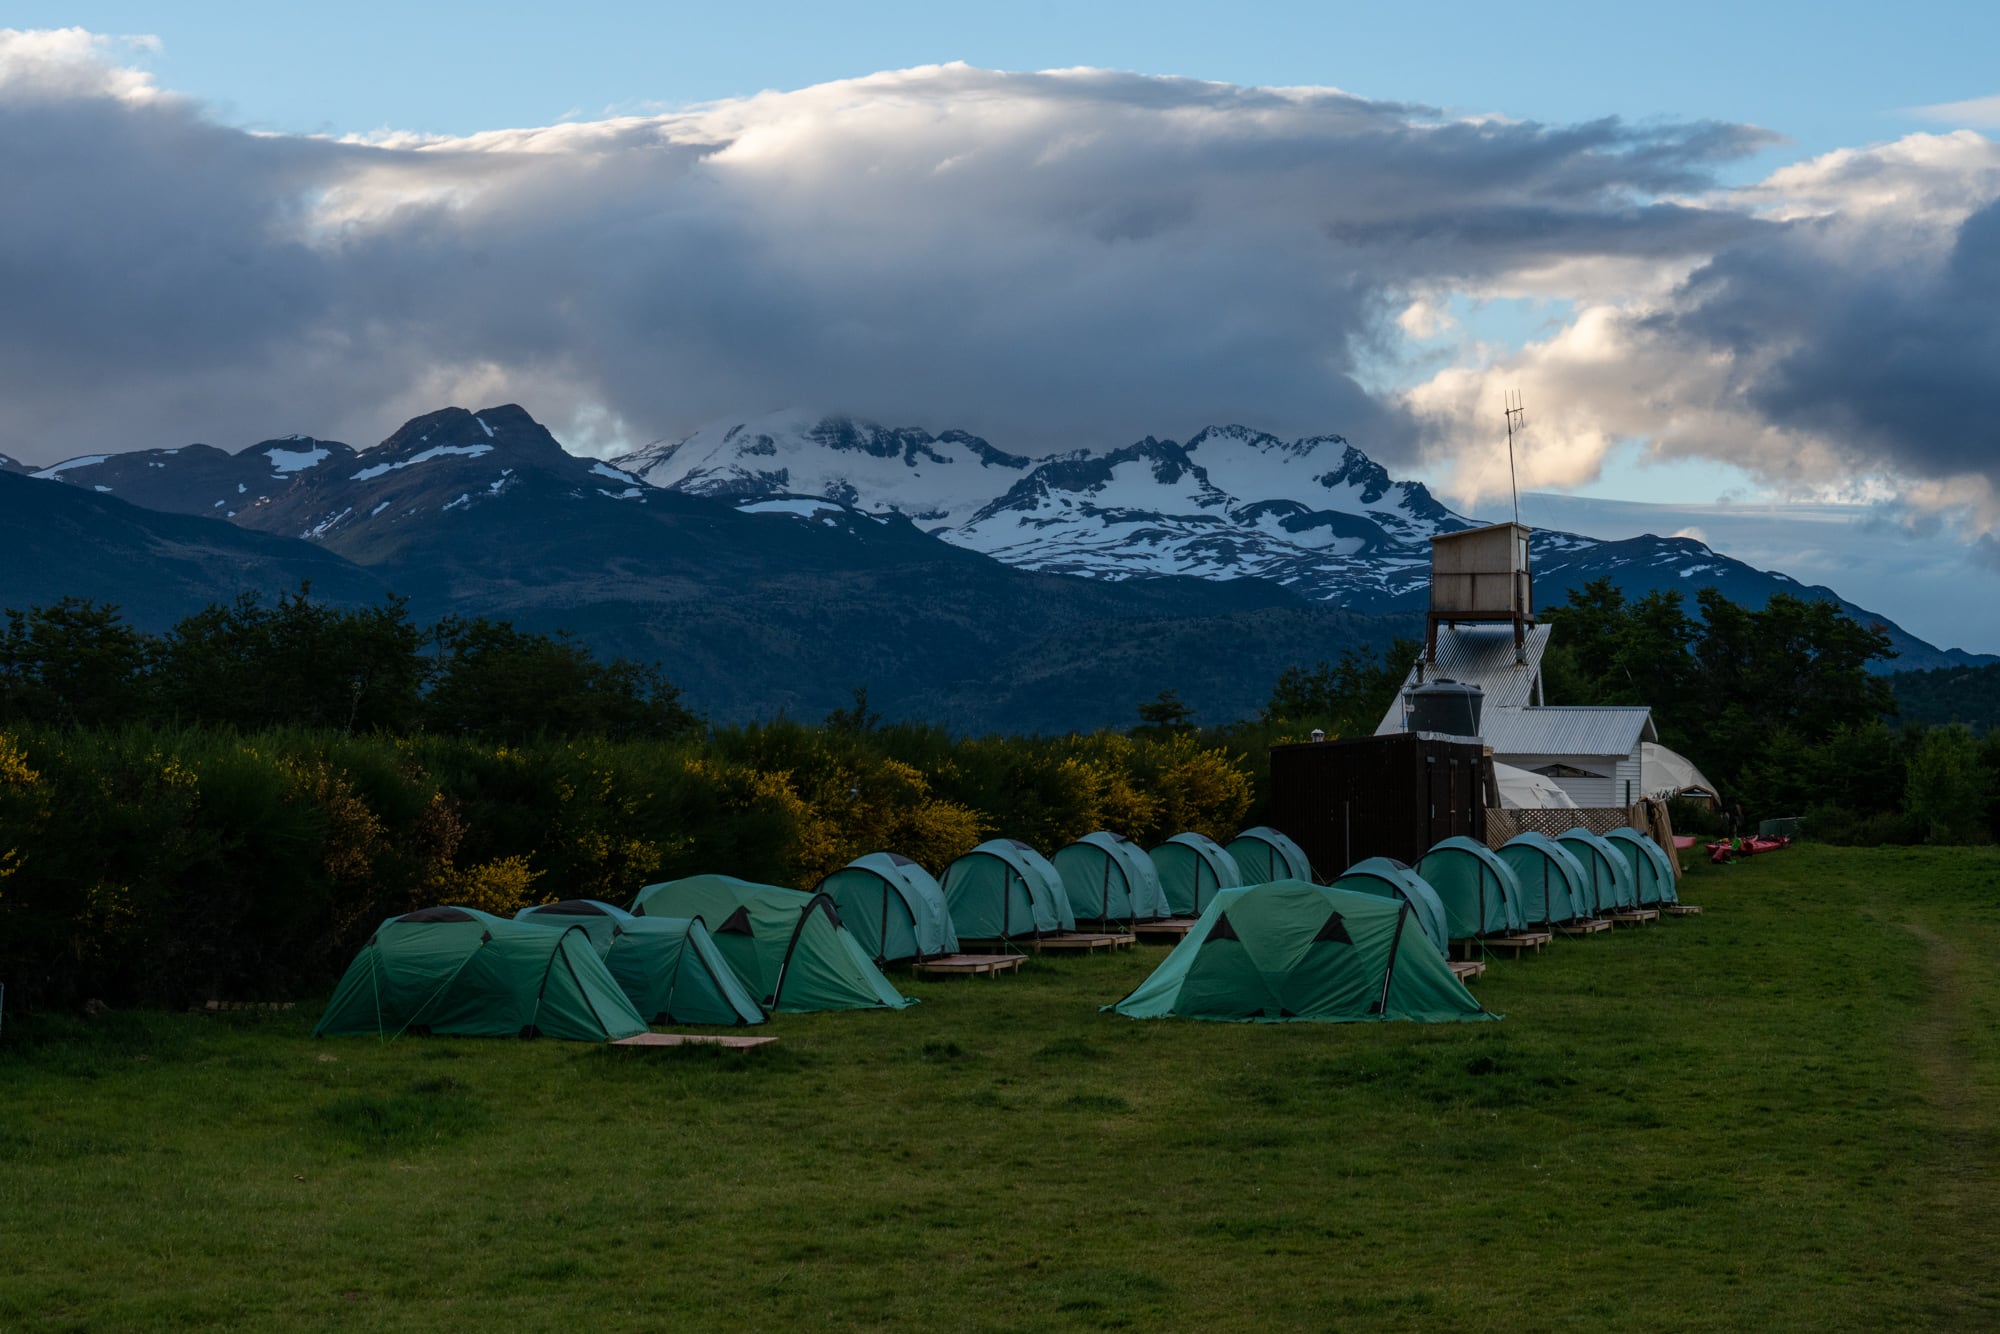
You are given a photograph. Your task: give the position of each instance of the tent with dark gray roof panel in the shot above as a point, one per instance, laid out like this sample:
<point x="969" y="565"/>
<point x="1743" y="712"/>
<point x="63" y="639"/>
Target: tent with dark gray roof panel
<point x="668" y="967"/>
<point x="1291" y="951"/>
<point x="790" y="948"/>
<point x="465" y="973"/>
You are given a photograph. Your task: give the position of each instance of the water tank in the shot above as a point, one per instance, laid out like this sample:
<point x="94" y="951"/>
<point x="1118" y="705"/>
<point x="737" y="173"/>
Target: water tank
<point x="1444" y="706"/>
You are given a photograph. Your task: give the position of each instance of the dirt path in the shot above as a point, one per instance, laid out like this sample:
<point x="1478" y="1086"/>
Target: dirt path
<point x="1963" y="1165"/>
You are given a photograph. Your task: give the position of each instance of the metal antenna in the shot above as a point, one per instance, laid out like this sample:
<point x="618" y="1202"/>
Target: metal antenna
<point x="1517" y="419"/>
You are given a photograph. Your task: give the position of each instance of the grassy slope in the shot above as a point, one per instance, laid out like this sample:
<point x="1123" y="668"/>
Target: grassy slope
<point x="1780" y="1114"/>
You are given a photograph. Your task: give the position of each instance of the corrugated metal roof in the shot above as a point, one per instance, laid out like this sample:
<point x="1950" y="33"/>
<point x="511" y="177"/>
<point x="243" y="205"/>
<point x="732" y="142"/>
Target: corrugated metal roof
<point x="1481" y="656"/>
<point x="1572" y="730"/>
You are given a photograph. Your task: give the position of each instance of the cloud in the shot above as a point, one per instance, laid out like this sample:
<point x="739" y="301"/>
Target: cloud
<point x="1071" y="257"/>
<point x="1842" y="347"/>
<point x="1058" y="258"/>
<point x="1978" y="112"/>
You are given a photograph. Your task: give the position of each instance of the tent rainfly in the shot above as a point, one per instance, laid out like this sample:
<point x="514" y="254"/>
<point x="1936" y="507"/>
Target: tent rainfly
<point x="893" y="907"/>
<point x="1291" y="951"/>
<point x="464" y="973"/>
<point x="1651" y="873"/>
<point x="1263" y="855"/>
<point x="1191" y="868"/>
<point x="1610" y="879"/>
<point x="1554" y="886"/>
<point x="1668" y="773"/>
<point x="1005" y="890"/>
<point x="1109" y="878"/>
<point x="789" y="947"/>
<point x="1389" y="878"/>
<point x="1478" y="890"/>
<point x="1524" y="789"/>
<point x="668" y="967"/>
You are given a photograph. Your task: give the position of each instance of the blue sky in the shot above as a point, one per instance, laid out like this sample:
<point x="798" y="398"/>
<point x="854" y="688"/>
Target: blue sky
<point x="1827" y="81"/>
<point x="1824" y="75"/>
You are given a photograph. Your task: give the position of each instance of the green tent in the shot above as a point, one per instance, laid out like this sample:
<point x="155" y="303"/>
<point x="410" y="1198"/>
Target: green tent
<point x="1554" y="886"/>
<point x="465" y="973"/>
<point x="1109" y="878"/>
<point x="1003" y="890"/>
<point x="668" y="967"/>
<point x="893" y="907"/>
<point x="789" y="947"/>
<point x="600" y="921"/>
<point x="1294" y="951"/>
<point x="1610" y="885"/>
<point x="1652" y="873"/>
<point x="1263" y="855"/>
<point x="1478" y="890"/>
<point x="1191" y="868"/>
<point x="1391" y="879"/>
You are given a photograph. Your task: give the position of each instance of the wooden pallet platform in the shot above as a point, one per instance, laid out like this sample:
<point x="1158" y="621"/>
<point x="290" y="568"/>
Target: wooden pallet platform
<point x="1170" y="929"/>
<point x="1083" y="942"/>
<point x="1681" y="909"/>
<point x="691" y="1040"/>
<point x="222" y="1006"/>
<point x="968" y="965"/>
<point x="1636" y="917"/>
<point x="1065" y="942"/>
<point x="1467" y="969"/>
<point x="1520" y="942"/>
<point x="1587" y="928"/>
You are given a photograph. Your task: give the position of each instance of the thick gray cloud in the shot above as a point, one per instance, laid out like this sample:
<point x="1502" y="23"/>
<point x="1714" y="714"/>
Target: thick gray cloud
<point x="1845" y="344"/>
<point x="1058" y="258"/>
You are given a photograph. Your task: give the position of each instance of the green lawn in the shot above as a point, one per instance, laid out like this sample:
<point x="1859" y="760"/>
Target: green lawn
<point x="1782" y="1114"/>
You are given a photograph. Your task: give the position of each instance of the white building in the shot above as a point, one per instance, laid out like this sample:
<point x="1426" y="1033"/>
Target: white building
<point x="1592" y="753"/>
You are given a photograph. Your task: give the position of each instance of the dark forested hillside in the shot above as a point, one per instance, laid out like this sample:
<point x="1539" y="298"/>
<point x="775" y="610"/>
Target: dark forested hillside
<point x="1968" y="695"/>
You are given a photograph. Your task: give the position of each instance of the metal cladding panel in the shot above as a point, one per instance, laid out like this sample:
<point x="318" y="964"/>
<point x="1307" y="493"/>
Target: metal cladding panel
<point x="1567" y="730"/>
<point x="1386" y="796"/>
<point x="1484" y="658"/>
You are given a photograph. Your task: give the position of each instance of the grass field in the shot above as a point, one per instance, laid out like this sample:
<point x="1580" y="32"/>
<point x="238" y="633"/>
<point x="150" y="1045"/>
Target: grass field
<point x="1782" y="1114"/>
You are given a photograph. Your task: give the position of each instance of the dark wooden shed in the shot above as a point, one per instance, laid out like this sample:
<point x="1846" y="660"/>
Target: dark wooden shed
<point x="1381" y="796"/>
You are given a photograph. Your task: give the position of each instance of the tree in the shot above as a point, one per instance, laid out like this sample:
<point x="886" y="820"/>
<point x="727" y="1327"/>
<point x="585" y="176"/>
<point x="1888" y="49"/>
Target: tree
<point x="1166" y="714"/>
<point x="75" y="664"/>
<point x="495" y="681"/>
<point x="1344" y="698"/>
<point x="295" y="662"/>
<point x="1949" y="788"/>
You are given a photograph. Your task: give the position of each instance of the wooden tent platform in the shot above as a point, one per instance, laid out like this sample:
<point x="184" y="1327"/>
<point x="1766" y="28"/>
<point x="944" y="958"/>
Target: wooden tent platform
<point x="1636" y="916"/>
<point x="691" y="1040"/>
<point x="1681" y="909"/>
<point x="1587" y="928"/>
<point x="1520" y="942"/>
<point x="1083" y="942"/>
<point x="968" y="965"/>
<point x="1062" y="942"/>
<point x="1467" y="969"/>
<point x="1170" y="929"/>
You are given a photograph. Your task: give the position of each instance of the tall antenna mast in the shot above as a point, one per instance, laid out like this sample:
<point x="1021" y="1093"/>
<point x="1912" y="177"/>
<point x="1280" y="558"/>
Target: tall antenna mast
<point x="1517" y="419"/>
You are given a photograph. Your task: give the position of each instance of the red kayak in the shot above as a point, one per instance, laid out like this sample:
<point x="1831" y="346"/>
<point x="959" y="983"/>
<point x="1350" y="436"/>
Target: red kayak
<point x="1731" y="848"/>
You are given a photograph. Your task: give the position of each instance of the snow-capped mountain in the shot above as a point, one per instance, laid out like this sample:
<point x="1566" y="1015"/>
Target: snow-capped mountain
<point x="200" y="479"/>
<point x="1315" y="514"/>
<point x="936" y="481"/>
<point x="478" y="492"/>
